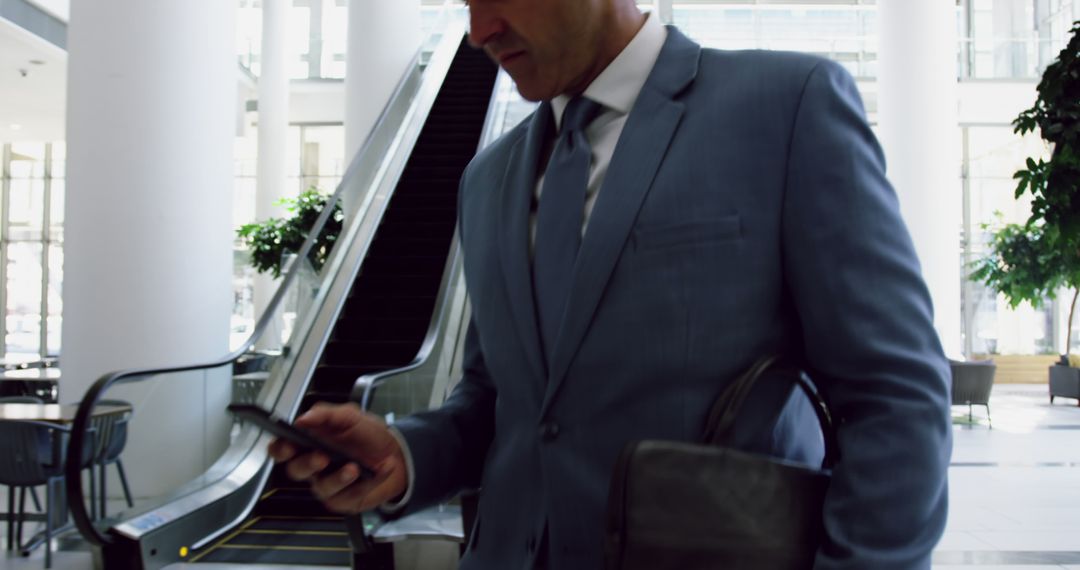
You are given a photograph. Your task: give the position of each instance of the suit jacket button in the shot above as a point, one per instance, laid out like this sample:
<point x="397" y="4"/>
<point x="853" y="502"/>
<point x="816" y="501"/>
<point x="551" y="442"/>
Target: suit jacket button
<point x="549" y="431"/>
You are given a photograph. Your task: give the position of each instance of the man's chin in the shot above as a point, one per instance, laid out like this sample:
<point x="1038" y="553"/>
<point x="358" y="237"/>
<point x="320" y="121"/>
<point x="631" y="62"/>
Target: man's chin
<point x="531" y="98"/>
<point x="530" y="92"/>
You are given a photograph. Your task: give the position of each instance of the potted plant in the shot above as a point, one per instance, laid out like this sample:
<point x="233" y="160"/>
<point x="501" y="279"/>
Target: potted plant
<point x="1032" y="261"/>
<point x="272" y="241"/>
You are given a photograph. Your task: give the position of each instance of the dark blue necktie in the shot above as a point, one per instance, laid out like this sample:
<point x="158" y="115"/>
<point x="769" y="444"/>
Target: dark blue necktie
<point x="559" y="218"/>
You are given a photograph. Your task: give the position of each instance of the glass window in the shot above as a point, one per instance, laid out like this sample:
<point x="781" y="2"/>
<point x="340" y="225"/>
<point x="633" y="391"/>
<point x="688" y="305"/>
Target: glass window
<point x="845" y="33"/>
<point x="334" y="40"/>
<point x="26" y="209"/>
<point x="26" y="196"/>
<point x="22" y="334"/>
<point x="994" y="154"/>
<point x="299" y="41"/>
<point x="323" y="157"/>
<point x="294" y="157"/>
<point x="54" y="299"/>
<point x="249" y="34"/>
<point x="25" y="244"/>
<point x="245" y="156"/>
<point x="57" y="192"/>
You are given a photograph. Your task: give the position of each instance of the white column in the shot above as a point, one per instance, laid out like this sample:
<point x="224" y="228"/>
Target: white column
<point x="148" y="236"/>
<point x="383" y="39"/>
<point x="272" y="169"/>
<point x="918" y="113"/>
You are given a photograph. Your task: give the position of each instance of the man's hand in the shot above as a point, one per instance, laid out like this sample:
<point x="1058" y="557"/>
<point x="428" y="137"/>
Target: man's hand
<point x="366" y="438"/>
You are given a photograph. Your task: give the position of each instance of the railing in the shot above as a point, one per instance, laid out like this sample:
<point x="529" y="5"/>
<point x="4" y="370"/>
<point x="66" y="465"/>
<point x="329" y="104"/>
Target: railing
<point x="437" y="363"/>
<point x="314" y="301"/>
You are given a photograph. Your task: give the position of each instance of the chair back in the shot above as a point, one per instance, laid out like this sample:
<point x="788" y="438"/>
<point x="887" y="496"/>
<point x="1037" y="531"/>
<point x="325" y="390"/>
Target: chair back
<point x="972" y="381"/>
<point x="31" y="452"/>
<point x="112" y="432"/>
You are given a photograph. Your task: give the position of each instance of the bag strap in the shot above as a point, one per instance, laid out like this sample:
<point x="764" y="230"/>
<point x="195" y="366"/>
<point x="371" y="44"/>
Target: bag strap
<point x="719" y="428"/>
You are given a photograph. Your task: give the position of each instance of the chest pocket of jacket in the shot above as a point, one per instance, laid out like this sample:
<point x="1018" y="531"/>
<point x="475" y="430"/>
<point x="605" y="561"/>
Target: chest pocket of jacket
<point x="653" y="237"/>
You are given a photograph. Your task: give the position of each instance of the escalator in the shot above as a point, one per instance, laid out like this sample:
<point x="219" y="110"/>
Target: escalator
<point x="384" y="319"/>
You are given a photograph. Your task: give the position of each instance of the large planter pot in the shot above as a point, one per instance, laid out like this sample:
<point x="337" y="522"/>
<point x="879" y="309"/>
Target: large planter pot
<point x="1064" y="382"/>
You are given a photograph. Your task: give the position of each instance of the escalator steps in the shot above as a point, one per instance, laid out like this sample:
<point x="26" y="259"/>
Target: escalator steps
<point x="316" y="524"/>
<point x="284" y="541"/>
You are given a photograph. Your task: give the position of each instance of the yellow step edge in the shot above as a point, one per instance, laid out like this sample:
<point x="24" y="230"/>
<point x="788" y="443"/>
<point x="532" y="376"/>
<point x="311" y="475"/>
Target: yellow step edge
<point x="295" y="518"/>
<point x="304" y="532"/>
<point x="304" y="548"/>
<point x="227" y="538"/>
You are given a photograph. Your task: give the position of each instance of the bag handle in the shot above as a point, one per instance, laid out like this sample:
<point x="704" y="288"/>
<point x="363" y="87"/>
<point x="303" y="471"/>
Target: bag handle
<point x="725" y="411"/>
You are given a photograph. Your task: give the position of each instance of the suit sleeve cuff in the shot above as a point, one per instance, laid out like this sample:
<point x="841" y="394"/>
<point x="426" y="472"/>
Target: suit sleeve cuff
<point x="393" y="507"/>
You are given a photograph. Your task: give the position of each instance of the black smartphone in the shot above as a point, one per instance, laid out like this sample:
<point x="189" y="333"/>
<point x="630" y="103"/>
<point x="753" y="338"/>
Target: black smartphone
<point x="302" y="439"/>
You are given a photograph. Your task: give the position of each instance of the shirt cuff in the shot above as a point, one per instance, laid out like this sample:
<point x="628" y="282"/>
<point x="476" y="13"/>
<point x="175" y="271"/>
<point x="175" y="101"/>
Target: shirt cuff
<point x="395" y="506"/>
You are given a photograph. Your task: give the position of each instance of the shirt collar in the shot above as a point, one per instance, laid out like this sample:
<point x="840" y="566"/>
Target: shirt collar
<point x="618" y="86"/>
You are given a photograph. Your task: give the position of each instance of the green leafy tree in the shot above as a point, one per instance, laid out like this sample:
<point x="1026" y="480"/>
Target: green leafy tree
<point x="1032" y="261"/>
<point x="270" y="240"/>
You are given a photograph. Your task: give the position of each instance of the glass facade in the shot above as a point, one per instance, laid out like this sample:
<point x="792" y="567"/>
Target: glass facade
<point x="31" y="249"/>
<point x="991" y="155"/>
<point x="317" y="31"/>
<point x="845" y="33"/>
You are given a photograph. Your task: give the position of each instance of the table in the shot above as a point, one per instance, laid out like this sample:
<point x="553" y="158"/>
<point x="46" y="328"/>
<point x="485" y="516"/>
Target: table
<point x="53" y="413"/>
<point x="38" y="382"/>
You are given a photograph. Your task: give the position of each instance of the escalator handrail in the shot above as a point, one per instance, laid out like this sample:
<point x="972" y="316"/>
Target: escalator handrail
<point x="365" y="386"/>
<point x="73" y="481"/>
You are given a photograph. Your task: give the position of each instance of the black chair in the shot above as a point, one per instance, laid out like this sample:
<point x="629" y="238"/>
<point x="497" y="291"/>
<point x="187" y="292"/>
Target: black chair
<point x="972" y="382"/>
<point x="11" y="490"/>
<point x="112" y="433"/>
<point x="33" y="453"/>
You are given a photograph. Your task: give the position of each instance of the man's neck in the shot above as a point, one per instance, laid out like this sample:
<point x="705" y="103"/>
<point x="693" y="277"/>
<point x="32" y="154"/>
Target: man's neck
<point x="626" y="20"/>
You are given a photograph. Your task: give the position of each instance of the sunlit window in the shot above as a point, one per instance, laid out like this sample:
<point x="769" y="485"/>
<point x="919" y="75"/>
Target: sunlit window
<point x="31" y="250"/>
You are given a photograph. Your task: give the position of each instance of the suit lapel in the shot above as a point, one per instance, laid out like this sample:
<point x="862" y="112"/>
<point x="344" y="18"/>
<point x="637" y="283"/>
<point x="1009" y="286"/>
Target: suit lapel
<point x="638" y="155"/>
<point x="517" y="195"/>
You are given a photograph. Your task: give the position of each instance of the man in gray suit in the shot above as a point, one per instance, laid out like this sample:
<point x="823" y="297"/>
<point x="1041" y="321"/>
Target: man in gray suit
<point x="668" y="215"/>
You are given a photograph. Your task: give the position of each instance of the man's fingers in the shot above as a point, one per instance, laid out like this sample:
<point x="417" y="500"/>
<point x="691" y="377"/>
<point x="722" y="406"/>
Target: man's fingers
<point x="343" y="491"/>
<point x="306" y="466"/>
<point x="330" y="417"/>
<point x="281" y="450"/>
<point x="366" y="438"/>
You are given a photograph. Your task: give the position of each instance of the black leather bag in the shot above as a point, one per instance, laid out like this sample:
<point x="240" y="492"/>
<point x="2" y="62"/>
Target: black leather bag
<point x="677" y="505"/>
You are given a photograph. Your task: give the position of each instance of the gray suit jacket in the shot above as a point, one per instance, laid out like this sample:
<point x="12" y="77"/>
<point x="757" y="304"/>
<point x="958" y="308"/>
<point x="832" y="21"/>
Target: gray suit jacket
<point x="746" y="211"/>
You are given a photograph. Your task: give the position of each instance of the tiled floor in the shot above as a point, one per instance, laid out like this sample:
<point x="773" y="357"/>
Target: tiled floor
<point x="1014" y="490"/>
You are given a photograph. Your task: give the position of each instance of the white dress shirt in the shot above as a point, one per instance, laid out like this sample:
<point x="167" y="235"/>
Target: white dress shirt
<point x="616" y="88"/>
